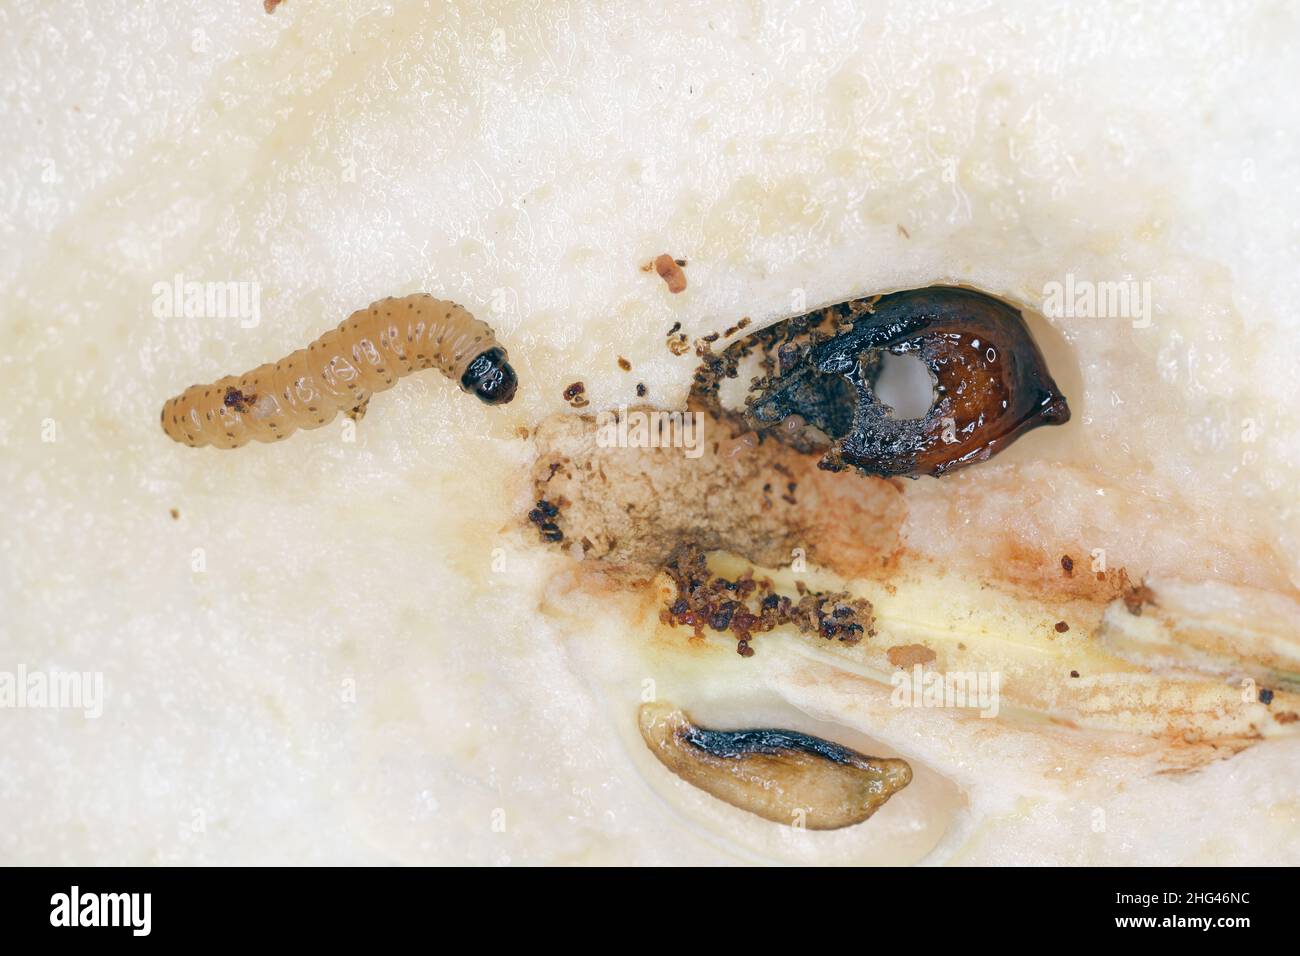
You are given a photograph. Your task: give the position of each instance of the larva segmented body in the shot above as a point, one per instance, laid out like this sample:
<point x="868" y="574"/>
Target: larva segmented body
<point x="369" y="351"/>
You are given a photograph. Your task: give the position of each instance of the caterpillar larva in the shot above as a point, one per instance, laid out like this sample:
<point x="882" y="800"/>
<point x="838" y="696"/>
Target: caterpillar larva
<point x="369" y="351"/>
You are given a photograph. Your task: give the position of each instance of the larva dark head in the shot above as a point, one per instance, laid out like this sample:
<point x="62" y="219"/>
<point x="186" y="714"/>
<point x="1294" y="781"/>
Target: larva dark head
<point x="490" y="377"/>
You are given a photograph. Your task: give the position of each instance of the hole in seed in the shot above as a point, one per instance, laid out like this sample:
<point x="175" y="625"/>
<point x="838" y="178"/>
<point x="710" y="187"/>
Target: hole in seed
<point x="904" y="384"/>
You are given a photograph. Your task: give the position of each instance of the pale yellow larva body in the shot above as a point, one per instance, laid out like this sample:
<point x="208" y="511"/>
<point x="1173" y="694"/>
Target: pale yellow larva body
<point x="368" y="352"/>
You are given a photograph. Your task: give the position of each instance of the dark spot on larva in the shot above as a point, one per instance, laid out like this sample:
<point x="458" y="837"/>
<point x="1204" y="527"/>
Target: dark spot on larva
<point x="1074" y="673"/>
<point x="1061" y="627"/>
<point x="237" y="400"/>
<point x="1265" y="696"/>
<point x="1067" y="564"/>
<point x="640" y="390"/>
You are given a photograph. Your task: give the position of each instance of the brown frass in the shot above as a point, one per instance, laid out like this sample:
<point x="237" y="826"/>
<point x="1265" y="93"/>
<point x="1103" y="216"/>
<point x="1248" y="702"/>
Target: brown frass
<point x="748" y="606"/>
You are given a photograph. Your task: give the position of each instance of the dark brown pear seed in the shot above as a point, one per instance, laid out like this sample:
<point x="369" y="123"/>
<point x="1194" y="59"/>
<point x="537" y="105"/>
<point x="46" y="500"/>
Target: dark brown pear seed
<point x="991" y="381"/>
